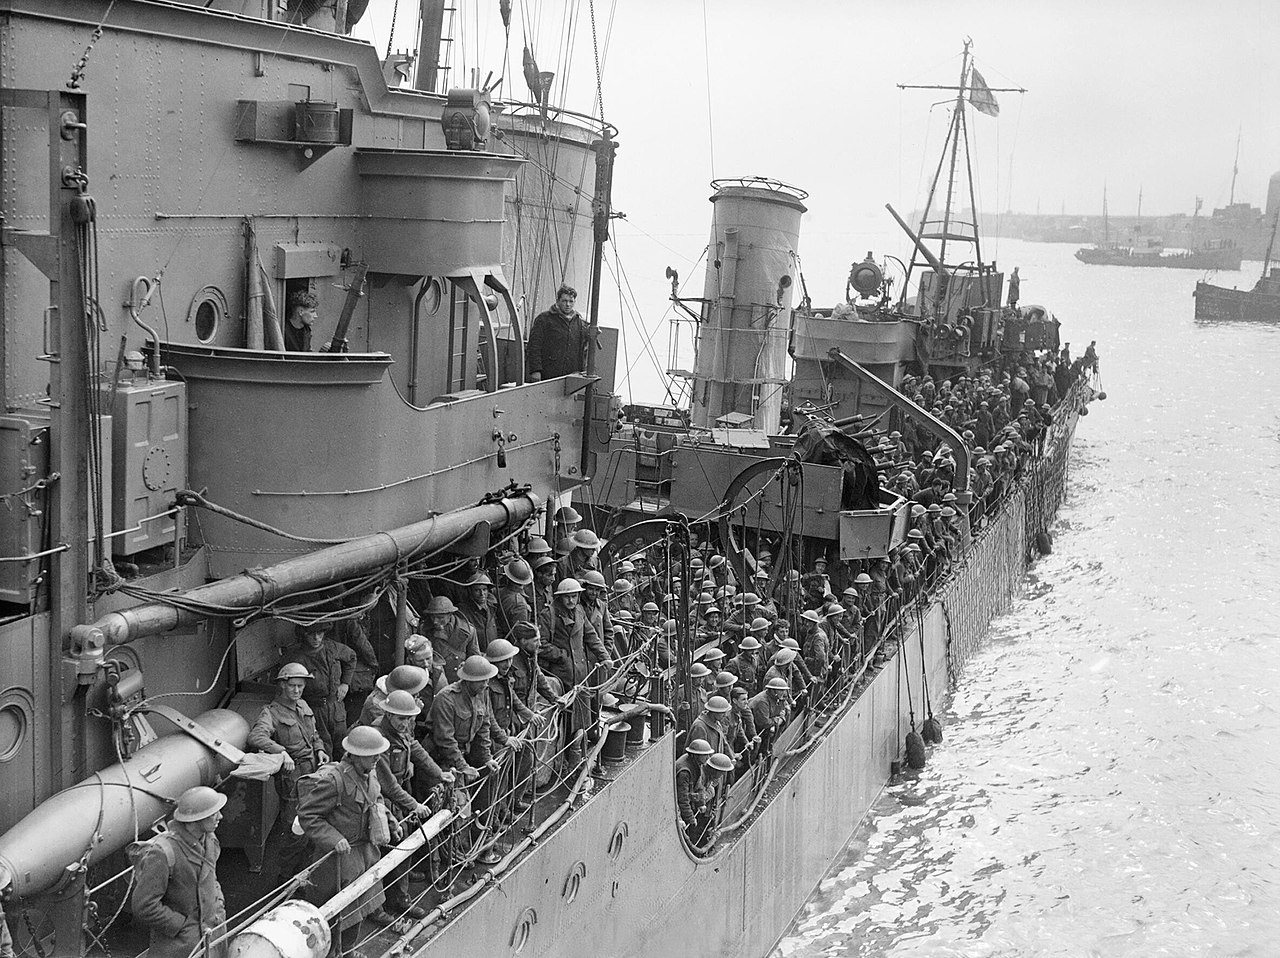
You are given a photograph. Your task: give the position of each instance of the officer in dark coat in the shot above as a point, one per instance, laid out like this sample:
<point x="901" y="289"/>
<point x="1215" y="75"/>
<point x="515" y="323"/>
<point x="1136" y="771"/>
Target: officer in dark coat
<point x="332" y="666"/>
<point x="558" y="339"/>
<point x="175" y="878"/>
<point x="476" y="609"/>
<point x="335" y="809"/>
<point x="566" y="652"/>
<point x="288" y="726"/>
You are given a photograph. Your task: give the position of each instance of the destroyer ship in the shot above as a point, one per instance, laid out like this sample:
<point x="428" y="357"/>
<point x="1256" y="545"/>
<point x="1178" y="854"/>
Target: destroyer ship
<point x="183" y="491"/>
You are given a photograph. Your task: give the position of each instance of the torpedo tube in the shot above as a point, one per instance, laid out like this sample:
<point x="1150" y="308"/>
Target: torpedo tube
<point x="98" y="815"/>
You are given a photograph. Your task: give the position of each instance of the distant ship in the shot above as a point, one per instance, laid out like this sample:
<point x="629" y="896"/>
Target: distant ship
<point x="1150" y="251"/>
<point x="1260" y="304"/>
<point x="1216" y="254"/>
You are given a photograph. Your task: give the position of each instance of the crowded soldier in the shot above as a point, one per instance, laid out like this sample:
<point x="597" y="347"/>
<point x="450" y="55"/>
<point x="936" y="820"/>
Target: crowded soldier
<point x="555" y="639"/>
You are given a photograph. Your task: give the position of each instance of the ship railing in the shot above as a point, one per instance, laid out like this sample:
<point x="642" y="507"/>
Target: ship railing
<point x="888" y="622"/>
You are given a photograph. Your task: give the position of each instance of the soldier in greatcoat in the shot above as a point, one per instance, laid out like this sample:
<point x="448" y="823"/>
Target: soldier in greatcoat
<point x="476" y="609"/>
<point x="452" y="639"/>
<point x="332" y="666"/>
<point x="514" y="606"/>
<point x="287" y="726"/>
<point x="567" y="652"/>
<point x="175" y="879"/>
<point x="335" y="808"/>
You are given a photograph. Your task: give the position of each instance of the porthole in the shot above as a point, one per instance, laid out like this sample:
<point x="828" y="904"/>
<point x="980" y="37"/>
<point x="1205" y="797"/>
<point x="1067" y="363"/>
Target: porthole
<point x="208" y="310"/>
<point x="15" y="722"/>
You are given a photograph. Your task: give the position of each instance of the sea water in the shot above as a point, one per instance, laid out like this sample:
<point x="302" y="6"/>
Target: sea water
<point x="1109" y="784"/>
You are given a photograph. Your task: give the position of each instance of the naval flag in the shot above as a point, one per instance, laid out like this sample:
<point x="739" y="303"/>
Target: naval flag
<point x="980" y="95"/>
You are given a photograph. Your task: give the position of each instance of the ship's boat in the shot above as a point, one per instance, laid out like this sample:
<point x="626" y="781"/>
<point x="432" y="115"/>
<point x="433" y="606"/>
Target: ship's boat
<point x="175" y="513"/>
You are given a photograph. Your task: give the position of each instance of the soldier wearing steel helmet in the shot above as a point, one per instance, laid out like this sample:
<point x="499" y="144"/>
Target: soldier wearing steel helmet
<point x="452" y="639"/>
<point x="332" y="667"/>
<point x="569" y="652"/>
<point x="337" y="809"/>
<point x="176" y="894"/>
<point x="514" y="713"/>
<point x="595" y="606"/>
<point x="746" y="664"/>
<point x="513" y="597"/>
<point x="404" y="760"/>
<point x="691" y="782"/>
<point x="769" y="708"/>
<point x="287" y="726"/>
<point x="585" y="544"/>
<point x="462" y="721"/>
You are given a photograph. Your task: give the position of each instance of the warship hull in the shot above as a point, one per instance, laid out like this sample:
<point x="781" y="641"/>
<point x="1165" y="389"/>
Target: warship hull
<point x="616" y="879"/>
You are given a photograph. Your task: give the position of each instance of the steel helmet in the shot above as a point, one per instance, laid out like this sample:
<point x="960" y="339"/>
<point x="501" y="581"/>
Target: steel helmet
<point x="913" y="534"/>
<point x="407" y="678"/>
<point x="821" y="560"/>
<point x="699" y="746"/>
<point x="622" y="586"/>
<point x="784" y="656"/>
<point x="699" y="671"/>
<point x="477" y="669"/>
<point x="809" y="615"/>
<point x="401" y="702"/>
<point x="864" y="579"/>
<point x="537" y="547"/>
<point x="624" y="615"/>
<point x="567" y="514"/>
<point x="721" y="762"/>
<point x="365" y="740"/>
<point x="650" y="607"/>
<point x="725" y="679"/>
<point x="293" y="670"/>
<point x="717" y="703"/>
<point x="564" y="546"/>
<point x="750" y="598"/>
<point x="704" y="598"/>
<point x="518" y="571"/>
<point x="198" y="803"/>
<point x="594" y="579"/>
<point x="917" y="510"/>
<point x="586" y="539"/>
<point x="543" y="560"/>
<point x="761" y="574"/>
<point x="670" y="626"/>
<point x="715" y="562"/>
<point x="568" y="586"/>
<point x="626" y="566"/>
<point x="480" y="578"/>
<point x="696" y="562"/>
<point x="749" y="644"/>
<point x="778" y="683"/>
<point x="759" y="624"/>
<point x="441" y="605"/>
<point x="714" y="610"/>
<point x="713" y="655"/>
<point x="835" y="609"/>
<point x="500" y="650"/>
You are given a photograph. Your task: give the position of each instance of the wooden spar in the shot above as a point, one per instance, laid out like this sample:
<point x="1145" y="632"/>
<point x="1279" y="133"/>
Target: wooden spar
<point x="957" y="120"/>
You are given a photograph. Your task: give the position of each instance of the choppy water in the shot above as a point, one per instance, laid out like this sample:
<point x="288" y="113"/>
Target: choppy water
<point x="1109" y="784"/>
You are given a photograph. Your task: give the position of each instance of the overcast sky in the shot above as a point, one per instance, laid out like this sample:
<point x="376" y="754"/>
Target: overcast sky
<point x="1139" y="95"/>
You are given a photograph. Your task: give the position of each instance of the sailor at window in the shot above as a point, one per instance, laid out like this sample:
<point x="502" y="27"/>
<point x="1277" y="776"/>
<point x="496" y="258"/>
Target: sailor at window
<point x="303" y="311"/>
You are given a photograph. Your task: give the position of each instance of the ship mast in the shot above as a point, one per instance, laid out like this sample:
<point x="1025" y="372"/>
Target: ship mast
<point x="957" y="137"/>
<point x="1235" y="168"/>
